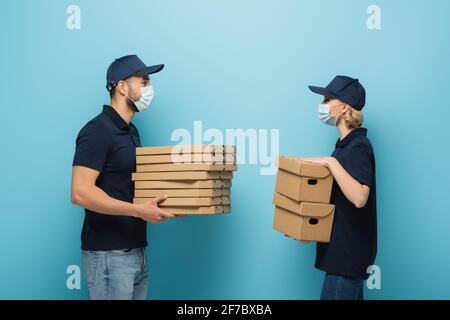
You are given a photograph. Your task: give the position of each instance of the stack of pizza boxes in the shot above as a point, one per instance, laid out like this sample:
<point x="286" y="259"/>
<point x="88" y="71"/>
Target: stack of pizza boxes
<point x="195" y="178"/>
<point x="302" y="200"/>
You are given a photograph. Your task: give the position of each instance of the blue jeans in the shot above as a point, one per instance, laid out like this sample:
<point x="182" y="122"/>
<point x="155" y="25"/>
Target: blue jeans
<point x="341" y="288"/>
<point x="116" y="274"/>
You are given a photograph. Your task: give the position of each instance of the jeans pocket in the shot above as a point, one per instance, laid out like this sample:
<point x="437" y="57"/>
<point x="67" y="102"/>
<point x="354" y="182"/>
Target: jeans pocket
<point x="121" y="251"/>
<point x="90" y="261"/>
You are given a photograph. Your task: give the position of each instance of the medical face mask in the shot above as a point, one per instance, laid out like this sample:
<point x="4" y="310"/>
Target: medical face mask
<point x="146" y="98"/>
<point x="323" y="112"/>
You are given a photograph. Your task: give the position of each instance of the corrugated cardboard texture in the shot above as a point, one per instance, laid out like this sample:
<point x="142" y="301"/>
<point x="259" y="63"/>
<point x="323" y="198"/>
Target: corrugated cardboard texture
<point x="182" y="175"/>
<point x="187" y="158"/>
<point x="303" y="168"/>
<point x="195" y="178"/>
<point x="197" y="210"/>
<point x="303" y="220"/>
<point x="185" y="167"/>
<point x="303" y="228"/>
<point x="181" y="193"/>
<point x="303" y="181"/>
<point x="179" y="149"/>
<point x="188" y="202"/>
<point x="188" y="184"/>
<point x="303" y="208"/>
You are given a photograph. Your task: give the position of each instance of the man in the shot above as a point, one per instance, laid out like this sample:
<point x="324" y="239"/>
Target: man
<point x="114" y="239"/>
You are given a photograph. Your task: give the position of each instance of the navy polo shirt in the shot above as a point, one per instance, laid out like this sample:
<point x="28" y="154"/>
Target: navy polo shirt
<point x="108" y="144"/>
<point x="353" y="244"/>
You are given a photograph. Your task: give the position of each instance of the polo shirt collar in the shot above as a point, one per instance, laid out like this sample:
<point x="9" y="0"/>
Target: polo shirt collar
<point x="351" y="136"/>
<point x="116" y="118"/>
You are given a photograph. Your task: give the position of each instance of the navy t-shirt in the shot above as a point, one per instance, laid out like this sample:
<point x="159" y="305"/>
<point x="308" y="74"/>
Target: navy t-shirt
<point x="108" y="144"/>
<point x="353" y="244"/>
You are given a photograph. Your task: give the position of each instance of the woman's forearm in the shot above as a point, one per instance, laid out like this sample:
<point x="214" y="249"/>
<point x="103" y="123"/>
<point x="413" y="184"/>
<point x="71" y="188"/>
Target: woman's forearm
<point x="354" y="191"/>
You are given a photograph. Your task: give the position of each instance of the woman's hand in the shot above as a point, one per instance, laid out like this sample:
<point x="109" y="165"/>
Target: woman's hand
<point x="325" y="161"/>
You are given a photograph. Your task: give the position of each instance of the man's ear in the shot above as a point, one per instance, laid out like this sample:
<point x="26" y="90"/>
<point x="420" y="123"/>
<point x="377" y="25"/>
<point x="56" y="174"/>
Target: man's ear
<point x="121" y="88"/>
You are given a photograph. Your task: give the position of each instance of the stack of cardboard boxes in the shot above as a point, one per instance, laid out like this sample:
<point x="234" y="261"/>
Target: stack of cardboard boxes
<point x="196" y="178"/>
<point x="301" y="199"/>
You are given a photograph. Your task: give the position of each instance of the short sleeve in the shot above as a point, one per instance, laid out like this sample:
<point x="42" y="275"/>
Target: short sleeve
<point x="92" y="146"/>
<point x="359" y="164"/>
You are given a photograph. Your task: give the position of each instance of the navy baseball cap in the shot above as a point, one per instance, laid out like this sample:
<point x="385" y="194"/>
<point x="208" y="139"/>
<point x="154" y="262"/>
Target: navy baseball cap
<point x="346" y="89"/>
<point x="126" y="67"/>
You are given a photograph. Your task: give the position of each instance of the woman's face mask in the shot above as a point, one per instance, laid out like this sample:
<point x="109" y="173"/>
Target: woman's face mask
<point x="323" y="112"/>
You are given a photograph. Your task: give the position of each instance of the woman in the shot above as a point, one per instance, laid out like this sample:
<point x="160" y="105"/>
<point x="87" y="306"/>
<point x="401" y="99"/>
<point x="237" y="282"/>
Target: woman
<point x="353" y="245"/>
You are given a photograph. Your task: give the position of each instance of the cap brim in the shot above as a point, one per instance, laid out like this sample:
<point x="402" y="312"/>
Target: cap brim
<point x="322" y="91"/>
<point x="150" y="69"/>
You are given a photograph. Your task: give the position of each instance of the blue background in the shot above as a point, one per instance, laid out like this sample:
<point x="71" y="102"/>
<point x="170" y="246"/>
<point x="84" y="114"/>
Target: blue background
<point x="231" y="64"/>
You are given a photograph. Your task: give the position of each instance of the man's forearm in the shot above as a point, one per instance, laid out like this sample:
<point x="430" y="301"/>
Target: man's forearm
<point x="95" y="199"/>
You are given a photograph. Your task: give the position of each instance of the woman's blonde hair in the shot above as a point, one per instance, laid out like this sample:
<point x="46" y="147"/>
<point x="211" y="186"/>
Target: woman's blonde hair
<point x="353" y="118"/>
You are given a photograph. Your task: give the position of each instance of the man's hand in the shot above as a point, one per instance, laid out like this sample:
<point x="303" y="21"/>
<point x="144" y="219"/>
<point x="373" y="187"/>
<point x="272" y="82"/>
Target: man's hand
<point x="150" y="211"/>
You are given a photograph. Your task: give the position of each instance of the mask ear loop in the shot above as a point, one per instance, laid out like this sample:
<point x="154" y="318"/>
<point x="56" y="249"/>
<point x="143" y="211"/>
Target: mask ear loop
<point x="127" y="95"/>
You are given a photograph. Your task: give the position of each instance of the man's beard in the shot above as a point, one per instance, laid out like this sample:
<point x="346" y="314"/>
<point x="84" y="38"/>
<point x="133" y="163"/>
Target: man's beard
<point x="132" y="105"/>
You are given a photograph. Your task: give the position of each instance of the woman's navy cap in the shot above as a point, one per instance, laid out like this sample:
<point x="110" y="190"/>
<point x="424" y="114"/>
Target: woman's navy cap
<point x="346" y="89"/>
<point x="126" y="67"/>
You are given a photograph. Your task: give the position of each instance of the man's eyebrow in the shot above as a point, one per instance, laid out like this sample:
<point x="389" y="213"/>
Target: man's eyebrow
<point x="145" y="78"/>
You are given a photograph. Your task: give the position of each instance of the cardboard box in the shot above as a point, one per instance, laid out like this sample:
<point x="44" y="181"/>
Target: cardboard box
<point x="182" y="175"/>
<point x="181" y="193"/>
<point x="303" y="220"/>
<point x="226" y="149"/>
<point x="180" y="149"/>
<point x="198" y="210"/>
<point x="185" y="167"/>
<point x="196" y="178"/>
<point x="159" y="150"/>
<point x="303" y="181"/>
<point x="206" y="210"/>
<point x="225" y="200"/>
<point x="187" y="184"/>
<point x="188" y="202"/>
<point x="187" y="158"/>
